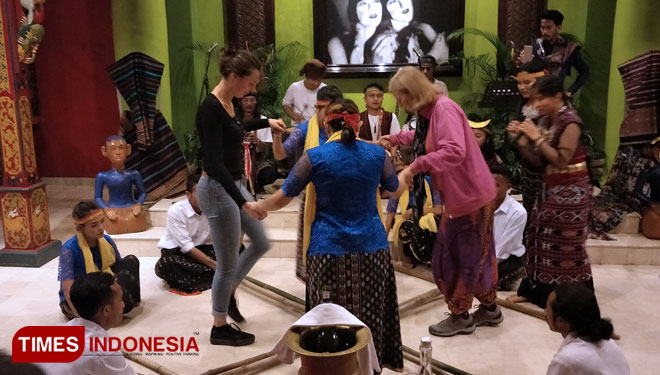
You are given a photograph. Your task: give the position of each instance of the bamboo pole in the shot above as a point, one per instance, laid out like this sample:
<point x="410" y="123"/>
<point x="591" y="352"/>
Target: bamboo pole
<point x="239" y="364"/>
<point x="296" y="307"/>
<point x="275" y="290"/>
<point x="535" y="312"/>
<point x="254" y="367"/>
<point x="151" y="365"/>
<point x="410" y="304"/>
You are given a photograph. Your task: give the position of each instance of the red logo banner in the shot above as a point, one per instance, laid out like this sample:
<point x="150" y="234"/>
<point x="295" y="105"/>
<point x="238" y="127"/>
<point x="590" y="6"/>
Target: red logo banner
<point x="48" y="344"/>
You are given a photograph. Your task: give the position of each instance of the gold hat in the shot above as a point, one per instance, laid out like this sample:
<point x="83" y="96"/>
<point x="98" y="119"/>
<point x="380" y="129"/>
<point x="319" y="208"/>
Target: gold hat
<point x="342" y="362"/>
<point x="362" y="335"/>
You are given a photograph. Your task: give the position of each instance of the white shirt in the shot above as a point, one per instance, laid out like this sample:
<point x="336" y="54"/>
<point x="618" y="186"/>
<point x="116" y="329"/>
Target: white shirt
<point x="508" y="227"/>
<point x="185" y="228"/>
<point x="265" y="135"/>
<point x="373" y="123"/>
<point x="91" y="363"/>
<point x="302" y="99"/>
<point x="577" y="356"/>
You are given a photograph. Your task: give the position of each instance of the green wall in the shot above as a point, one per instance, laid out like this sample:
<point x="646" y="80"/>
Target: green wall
<point x="141" y="26"/>
<point x="592" y="23"/>
<point x="636" y="30"/>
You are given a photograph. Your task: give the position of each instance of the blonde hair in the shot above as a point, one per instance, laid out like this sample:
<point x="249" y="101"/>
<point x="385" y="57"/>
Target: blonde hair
<point x="411" y="81"/>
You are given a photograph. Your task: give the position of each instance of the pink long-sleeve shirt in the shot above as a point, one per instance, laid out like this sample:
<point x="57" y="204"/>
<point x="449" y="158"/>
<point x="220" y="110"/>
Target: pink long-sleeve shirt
<point x="453" y="158"/>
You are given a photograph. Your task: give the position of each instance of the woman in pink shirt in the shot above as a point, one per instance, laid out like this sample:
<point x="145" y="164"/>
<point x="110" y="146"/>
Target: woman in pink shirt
<point x="464" y="264"/>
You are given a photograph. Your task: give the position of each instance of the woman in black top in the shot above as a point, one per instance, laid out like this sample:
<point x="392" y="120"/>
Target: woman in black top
<point x="222" y="197"/>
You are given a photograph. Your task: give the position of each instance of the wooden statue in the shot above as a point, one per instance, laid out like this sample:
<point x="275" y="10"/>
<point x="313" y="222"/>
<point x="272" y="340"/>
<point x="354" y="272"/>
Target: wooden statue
<point x="123" y="213"/>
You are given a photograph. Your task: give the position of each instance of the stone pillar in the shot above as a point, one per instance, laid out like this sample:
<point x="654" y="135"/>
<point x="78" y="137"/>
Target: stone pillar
<point x="23" y="202"/>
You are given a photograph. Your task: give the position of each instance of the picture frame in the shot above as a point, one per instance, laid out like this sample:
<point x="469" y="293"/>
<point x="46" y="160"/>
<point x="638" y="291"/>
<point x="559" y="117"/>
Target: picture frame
<point x="358" y="38"/>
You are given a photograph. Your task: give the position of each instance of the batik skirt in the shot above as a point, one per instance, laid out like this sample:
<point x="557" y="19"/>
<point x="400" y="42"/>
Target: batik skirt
<point x="365" y="285"/>
<point x="183" y="273"/>
<point x="555" y="244"/>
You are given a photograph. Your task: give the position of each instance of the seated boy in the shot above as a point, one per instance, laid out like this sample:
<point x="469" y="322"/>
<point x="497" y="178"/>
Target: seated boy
<point x="97" y="297"/>
<point x="90" y="250"/>
<point x="508" y="227"/>
<point x="417" y="238"/>
<point x="186" y="263"/>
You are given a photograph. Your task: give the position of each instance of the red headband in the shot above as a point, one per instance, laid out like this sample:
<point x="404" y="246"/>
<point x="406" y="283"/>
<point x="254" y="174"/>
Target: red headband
<point x="352" y="120"/>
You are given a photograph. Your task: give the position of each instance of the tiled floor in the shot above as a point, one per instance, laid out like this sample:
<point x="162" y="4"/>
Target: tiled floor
<point x="520" y="345"/>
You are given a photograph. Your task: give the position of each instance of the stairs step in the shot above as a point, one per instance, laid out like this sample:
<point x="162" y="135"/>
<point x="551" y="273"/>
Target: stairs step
<point x="283" y="242"/>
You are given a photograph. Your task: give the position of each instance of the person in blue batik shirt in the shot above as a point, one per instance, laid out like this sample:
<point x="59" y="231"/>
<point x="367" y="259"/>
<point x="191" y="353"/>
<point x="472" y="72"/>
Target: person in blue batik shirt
<point x="348" y="252"/>
<point x="123" y="212"/>
<point x="305" y="136"/>
<point x="90" y="250"/>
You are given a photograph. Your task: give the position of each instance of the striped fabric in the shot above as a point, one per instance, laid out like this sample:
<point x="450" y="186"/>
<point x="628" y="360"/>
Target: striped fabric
<point x="137" y="77"/>
<point x="641" y="81"/>
<point x="156" y="153"/>
<point x="162" y="166"/>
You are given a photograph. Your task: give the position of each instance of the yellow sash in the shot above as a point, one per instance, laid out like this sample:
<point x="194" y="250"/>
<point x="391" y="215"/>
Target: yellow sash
<point x="107" y="254"/>
<point x="310" y="196"/>
<point x="427" y="221"/>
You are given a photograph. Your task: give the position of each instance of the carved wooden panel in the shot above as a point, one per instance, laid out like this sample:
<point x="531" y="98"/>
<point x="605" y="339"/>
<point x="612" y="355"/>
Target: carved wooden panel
<point x="250" y="23"/>
<point x="520" y="20"/>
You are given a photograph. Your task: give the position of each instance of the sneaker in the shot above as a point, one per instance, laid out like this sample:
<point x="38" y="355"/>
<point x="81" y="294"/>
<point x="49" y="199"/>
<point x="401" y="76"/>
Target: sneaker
<point x="231" y="335"/>
<point x="484" y="317"/>
<point x="232" y="310"/>
<point x="453" y="325"/>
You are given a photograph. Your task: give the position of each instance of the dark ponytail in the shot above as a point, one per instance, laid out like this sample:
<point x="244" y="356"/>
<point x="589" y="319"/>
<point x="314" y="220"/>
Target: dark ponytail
<point x="576" y="304"/>
<point x="341" y="105"/>
<point x="347" y="134"/>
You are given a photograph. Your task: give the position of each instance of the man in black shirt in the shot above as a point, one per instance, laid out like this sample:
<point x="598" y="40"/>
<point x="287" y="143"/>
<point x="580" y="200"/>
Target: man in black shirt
<point x="557" y="53"/>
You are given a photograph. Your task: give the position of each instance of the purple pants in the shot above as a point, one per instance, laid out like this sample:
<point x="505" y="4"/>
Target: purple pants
<point x="464" y="264"/>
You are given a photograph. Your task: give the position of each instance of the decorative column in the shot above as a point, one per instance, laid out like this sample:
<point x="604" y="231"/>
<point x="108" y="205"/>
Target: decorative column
<point x="23" y="202"/>
<point x="520" y="20"/>
<point x="250" y="23"/>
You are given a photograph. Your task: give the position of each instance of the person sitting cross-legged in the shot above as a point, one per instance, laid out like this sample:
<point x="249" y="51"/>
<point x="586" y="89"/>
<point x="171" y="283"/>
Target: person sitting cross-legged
<point x="186" y="263"/>
<point x="90" y="250"/>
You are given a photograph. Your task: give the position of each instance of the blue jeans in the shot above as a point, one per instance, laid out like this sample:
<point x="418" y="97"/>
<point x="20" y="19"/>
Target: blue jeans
<point x="227" y="221"/>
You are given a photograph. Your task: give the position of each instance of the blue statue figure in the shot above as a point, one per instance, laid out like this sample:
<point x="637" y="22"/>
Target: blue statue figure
<point x="123" y="213"/>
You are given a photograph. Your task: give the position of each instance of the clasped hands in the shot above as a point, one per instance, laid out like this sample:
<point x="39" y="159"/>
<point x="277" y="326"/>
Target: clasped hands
<point x="277" y="125"/>
<point x="528" y="128"/>
<point x="254" y="210"/>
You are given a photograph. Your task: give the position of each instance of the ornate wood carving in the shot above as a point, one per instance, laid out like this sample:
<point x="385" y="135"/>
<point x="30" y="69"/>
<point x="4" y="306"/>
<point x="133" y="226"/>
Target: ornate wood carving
<point x="250" y="23"/>
<point x="519" y="20"/>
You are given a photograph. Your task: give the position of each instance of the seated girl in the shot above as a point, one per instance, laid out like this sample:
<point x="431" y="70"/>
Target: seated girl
<point x="90" y="250"/>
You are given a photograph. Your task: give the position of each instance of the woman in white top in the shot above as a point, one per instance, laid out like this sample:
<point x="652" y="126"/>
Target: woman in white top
<point x="588" y="348"/>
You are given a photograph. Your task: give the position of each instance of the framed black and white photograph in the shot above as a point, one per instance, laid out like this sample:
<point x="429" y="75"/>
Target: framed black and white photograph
<point x="354" y="37"/>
